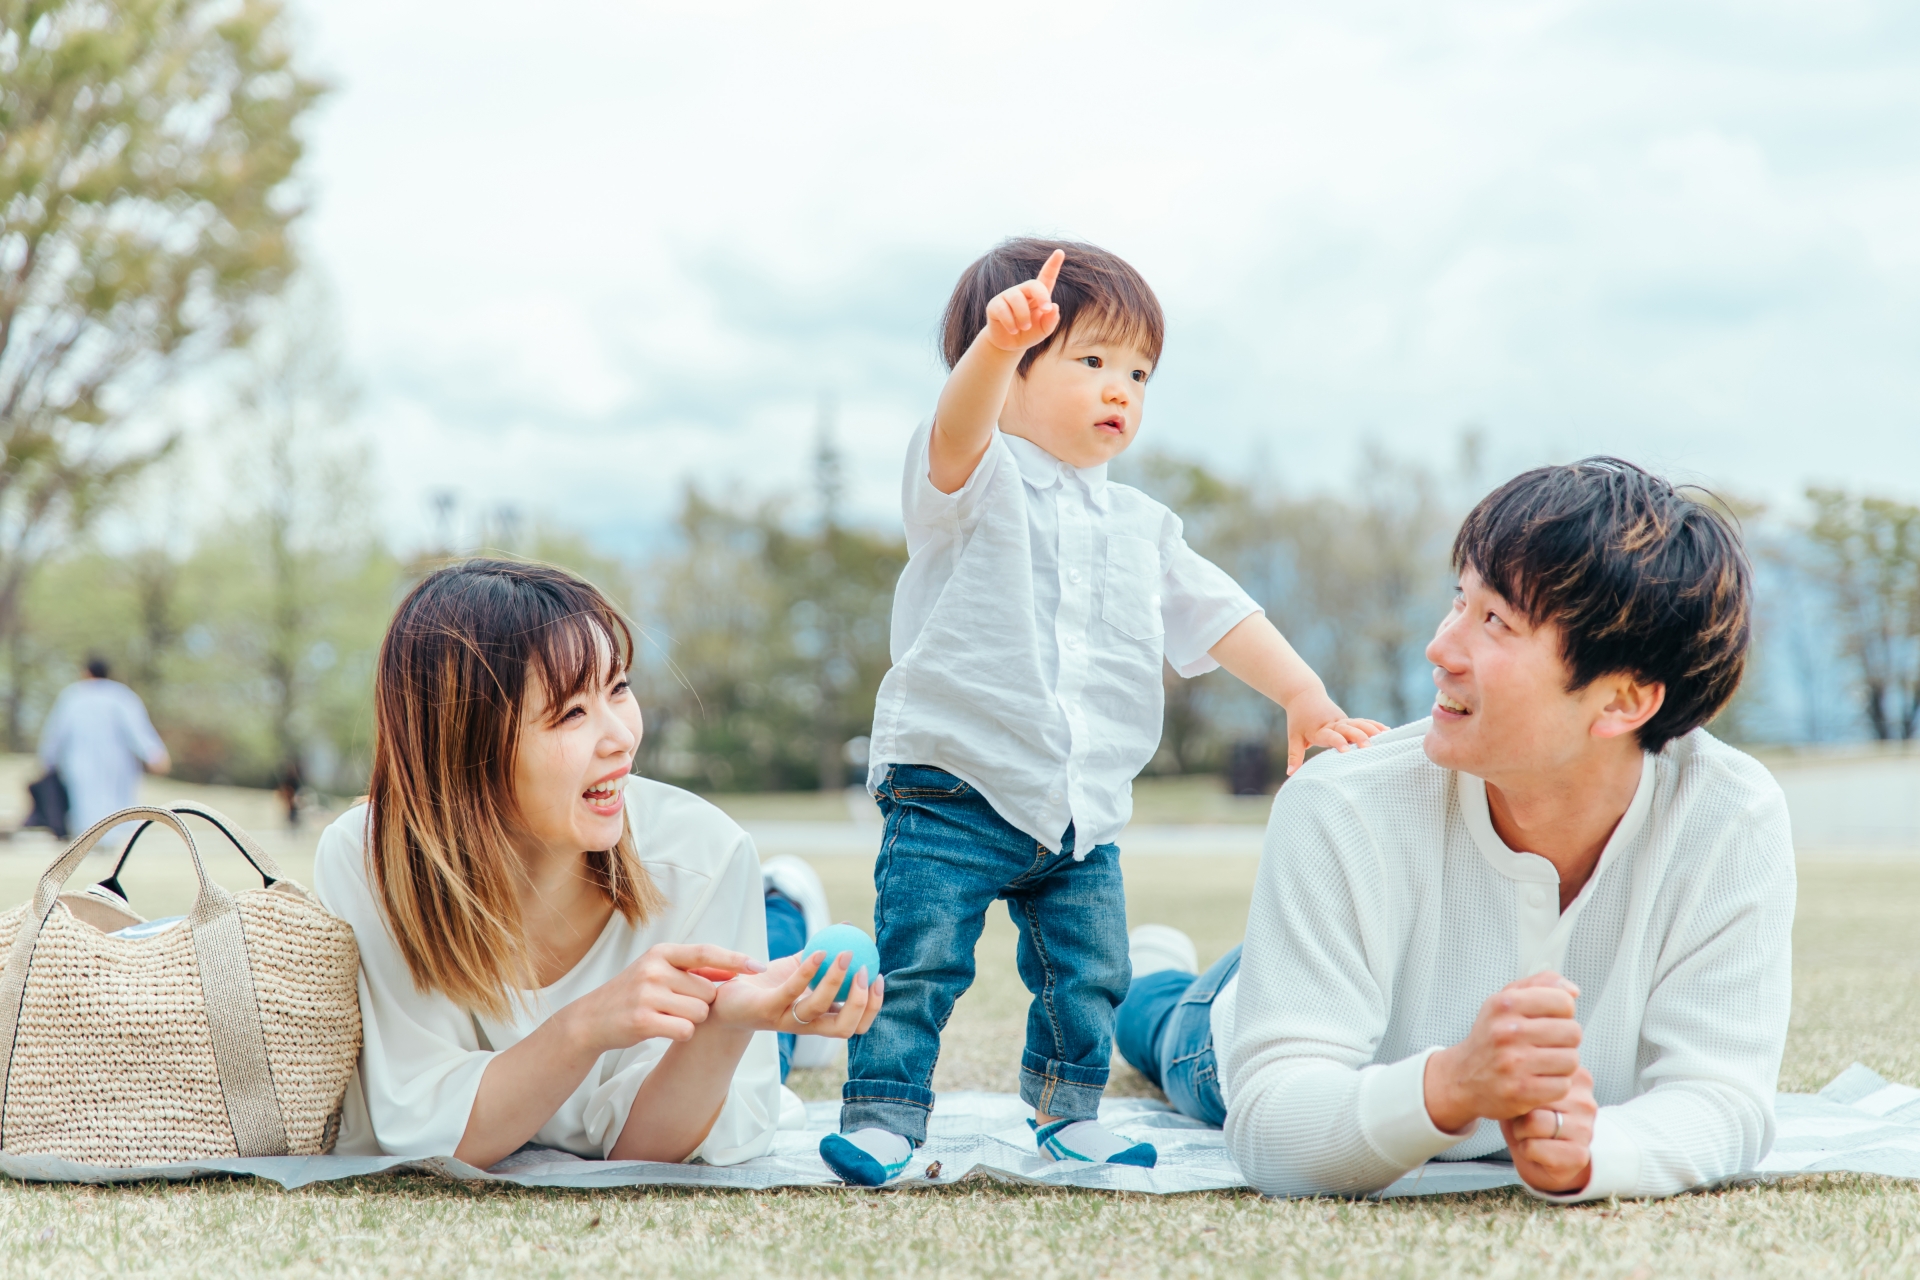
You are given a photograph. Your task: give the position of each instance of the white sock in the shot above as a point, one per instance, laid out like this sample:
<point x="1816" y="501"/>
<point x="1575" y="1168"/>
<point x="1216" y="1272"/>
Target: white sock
<point x="887" y="1147"/>
<point x="1082" y="1140"/>
<point x="1154" y="947"/>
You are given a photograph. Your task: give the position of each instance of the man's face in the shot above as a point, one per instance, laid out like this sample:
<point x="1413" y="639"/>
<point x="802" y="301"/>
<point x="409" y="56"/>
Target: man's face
<point x="1502" y="708"/>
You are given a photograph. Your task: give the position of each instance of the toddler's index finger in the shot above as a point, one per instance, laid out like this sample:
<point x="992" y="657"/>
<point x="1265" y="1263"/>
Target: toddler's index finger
<point x="1050" y="272"/>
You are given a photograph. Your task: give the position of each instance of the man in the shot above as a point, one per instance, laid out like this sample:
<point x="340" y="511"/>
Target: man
<point x="1553" y="919"/>
<point x="97" y="738"/>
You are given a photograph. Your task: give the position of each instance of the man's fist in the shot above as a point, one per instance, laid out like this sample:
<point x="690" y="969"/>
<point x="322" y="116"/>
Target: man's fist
<point x="1521" y="1055"/>
<point x="1552" y="1147"/>
<point x="1024" y="315"/>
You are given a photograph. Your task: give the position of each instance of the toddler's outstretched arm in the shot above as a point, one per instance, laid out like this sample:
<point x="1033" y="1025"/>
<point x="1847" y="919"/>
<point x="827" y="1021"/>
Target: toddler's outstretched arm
<point x="977" y="388"/>
<point x="1259" y="655"/>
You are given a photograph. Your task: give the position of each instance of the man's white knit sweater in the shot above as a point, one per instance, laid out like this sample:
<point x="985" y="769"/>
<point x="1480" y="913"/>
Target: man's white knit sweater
<point x="1387" y="910"/>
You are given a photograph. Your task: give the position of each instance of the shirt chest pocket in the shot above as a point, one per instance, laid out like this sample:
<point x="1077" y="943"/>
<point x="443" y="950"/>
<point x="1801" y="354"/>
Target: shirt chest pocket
<point x="1130" y="596"/>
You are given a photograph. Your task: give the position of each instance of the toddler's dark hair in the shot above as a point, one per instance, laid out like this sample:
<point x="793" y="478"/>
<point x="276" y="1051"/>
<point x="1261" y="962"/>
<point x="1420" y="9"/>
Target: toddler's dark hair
<point x="1639" y="577"/>
<point x="1094" y="286"/>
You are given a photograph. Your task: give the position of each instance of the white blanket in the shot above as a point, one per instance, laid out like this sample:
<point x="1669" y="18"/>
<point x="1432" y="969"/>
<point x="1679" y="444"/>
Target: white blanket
<point x="1858" y="1124"/>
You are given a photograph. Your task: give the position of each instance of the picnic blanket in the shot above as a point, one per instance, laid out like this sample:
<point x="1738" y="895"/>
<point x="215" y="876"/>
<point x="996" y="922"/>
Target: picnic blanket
<point x="1859" y="1123"/>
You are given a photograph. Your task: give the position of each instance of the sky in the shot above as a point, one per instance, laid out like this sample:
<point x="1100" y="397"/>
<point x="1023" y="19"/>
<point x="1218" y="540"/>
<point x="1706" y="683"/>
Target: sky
<point x="587" y="252"/>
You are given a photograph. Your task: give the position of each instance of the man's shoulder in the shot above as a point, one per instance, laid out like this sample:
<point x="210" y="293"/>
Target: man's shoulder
<point x="1392" y="773"/>
<point x="1700" y="762"/>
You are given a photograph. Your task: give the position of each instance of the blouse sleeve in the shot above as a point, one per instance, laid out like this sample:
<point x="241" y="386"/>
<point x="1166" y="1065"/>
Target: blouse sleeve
<point x="420" y="1057"/>
<point x="733" y="915"/>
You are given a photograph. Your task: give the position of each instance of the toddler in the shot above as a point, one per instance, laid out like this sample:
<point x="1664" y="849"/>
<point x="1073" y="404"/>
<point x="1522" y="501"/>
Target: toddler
<point x="1029" y="627"/>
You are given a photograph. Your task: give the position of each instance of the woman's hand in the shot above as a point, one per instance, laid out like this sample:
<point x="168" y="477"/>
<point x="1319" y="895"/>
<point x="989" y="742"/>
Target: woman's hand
<point x="668" y="992"/>
<point x="769" y="1001"/>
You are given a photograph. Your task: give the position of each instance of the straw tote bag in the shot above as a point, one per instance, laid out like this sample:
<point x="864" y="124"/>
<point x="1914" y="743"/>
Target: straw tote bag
<point x="232" y="1033"/>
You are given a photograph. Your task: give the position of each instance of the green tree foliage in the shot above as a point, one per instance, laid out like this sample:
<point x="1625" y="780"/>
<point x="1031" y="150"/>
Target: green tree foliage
<point x="1866" y="554"/>
<point x="1356" y="580"/>
<point x="146" y="148"/>
<point x="770" y="638"/>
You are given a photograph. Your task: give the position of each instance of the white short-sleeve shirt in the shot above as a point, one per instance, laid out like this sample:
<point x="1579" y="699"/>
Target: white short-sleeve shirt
<point x="1029" y="628"/>
<point x="422" y="1055"/>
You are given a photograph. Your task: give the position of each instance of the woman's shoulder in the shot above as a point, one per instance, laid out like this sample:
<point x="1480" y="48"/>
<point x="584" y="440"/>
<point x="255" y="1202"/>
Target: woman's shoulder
<point x="676" y="827"/>
<point x="340" y="861"/>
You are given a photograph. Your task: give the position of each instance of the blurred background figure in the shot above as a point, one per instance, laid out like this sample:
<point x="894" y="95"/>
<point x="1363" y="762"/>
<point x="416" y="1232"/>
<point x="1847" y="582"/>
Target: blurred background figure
<point x="96" y="740"/>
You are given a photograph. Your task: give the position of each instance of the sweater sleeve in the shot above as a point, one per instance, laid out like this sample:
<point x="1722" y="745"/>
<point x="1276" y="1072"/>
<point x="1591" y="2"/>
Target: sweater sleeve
<point x="1714" y="1027"/>
<point x="1311" y="1113"/>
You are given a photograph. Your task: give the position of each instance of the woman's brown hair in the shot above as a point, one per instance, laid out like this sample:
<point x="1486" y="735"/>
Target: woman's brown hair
<point x="455" y="670"/>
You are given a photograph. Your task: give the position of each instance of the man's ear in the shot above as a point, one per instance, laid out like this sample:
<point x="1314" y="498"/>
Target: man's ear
<point x="1630" y="703"/>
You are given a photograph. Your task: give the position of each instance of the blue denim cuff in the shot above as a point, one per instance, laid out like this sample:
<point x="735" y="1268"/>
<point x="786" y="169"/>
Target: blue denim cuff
<point x="886" y="1104"/>
<point x="1061" y="1089"/>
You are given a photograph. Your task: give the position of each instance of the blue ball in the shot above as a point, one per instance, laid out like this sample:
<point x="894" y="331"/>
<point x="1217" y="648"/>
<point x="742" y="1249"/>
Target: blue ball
<point x="836" y="938"/>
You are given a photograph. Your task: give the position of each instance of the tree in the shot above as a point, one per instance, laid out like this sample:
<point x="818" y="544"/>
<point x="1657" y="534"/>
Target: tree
<point x="306" y="477"/>
<point x="776" y="629"/>
<point x="1866" y="553"/>
<point x="146" y="148"/>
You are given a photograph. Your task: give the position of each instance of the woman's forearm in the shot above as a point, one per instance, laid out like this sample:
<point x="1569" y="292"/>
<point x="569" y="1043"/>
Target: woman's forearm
<point x="521" y="1089"/>
<point x="681" y="1097"/>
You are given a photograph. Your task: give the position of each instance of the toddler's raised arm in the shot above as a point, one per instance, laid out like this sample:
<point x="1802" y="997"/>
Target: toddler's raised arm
<point x="977" y="388"/>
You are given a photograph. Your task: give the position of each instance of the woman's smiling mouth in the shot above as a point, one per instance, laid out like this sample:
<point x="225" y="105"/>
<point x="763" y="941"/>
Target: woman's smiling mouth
<point x="606" y="796"/>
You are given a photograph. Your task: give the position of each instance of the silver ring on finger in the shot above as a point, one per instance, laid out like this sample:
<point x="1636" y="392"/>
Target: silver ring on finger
<point x="793" y="1011"/>
<point x="1558" y="1120"/>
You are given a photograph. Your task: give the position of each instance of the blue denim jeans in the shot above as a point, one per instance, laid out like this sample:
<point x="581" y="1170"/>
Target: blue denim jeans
<point x="945" y="856"/>
<point x="1165" y="1030"/>
<point x="786" y="934"/>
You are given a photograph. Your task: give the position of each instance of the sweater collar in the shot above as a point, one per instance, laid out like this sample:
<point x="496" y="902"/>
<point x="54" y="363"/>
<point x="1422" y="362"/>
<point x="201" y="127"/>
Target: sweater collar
<point x="1531" y="868"/>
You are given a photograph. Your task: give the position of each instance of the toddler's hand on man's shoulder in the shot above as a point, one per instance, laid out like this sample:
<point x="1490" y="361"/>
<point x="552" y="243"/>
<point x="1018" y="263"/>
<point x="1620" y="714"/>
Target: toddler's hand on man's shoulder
<point x="1316" y="720"/>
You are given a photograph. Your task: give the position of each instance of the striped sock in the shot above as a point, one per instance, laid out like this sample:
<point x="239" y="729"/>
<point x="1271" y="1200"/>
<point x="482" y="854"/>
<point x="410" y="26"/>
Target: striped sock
<point x="1091" y="1141"/>
<point x="866" y="1157"/>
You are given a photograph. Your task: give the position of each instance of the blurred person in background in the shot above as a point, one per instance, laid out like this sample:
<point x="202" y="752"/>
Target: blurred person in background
<point x="97" y="739"/>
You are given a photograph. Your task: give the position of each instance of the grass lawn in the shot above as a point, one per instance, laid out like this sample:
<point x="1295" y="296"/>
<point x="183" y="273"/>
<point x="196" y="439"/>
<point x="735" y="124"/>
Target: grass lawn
<point x="1857" y="997"/>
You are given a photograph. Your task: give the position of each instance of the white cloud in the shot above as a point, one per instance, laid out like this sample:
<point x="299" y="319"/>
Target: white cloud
<point x="586" y="256"/>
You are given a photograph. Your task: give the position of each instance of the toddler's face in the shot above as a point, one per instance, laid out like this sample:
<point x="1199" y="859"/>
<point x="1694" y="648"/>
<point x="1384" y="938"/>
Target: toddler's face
<point x="1081" y="401"/>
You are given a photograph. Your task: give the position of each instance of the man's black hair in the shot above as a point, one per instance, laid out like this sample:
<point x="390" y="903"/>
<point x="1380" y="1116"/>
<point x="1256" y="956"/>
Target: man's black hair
<point x="97" y="666"/>
<point x="1640" y="578"/>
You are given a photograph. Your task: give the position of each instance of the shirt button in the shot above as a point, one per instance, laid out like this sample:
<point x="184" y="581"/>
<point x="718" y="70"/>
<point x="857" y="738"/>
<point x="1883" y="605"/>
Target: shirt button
<point x="1073" y="642"/>
<point x="1536" y="897"/>
<point x="1054" y="796"/>
<point x="1073" y="576"/>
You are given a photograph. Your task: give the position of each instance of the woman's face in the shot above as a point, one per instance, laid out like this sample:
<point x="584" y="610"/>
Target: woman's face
<point x="570" y="773"/>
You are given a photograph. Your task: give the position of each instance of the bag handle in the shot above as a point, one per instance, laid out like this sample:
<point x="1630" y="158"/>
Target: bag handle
<point x="226" y="980"/>
<point x="249" y="848"/>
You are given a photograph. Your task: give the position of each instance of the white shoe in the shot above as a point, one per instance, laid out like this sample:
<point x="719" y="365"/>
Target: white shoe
<point x="1153" y="947"/>
<point x="795" y="878"/>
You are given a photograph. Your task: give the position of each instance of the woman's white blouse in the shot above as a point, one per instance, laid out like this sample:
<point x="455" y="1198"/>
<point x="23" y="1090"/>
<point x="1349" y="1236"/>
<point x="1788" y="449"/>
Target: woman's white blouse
<point x="423" y="1055"/>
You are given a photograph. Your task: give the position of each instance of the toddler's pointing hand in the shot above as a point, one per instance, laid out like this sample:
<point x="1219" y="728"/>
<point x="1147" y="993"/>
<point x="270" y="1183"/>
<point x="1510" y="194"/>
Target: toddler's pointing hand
<point x="1025" y="314"/>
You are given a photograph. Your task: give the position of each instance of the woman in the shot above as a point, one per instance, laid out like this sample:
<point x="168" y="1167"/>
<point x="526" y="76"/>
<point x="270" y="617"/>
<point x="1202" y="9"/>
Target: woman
<point x="552" y="950"/>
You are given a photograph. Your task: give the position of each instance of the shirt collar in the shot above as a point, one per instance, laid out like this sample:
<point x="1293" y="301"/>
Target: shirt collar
<point x="1042" y="470"/>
